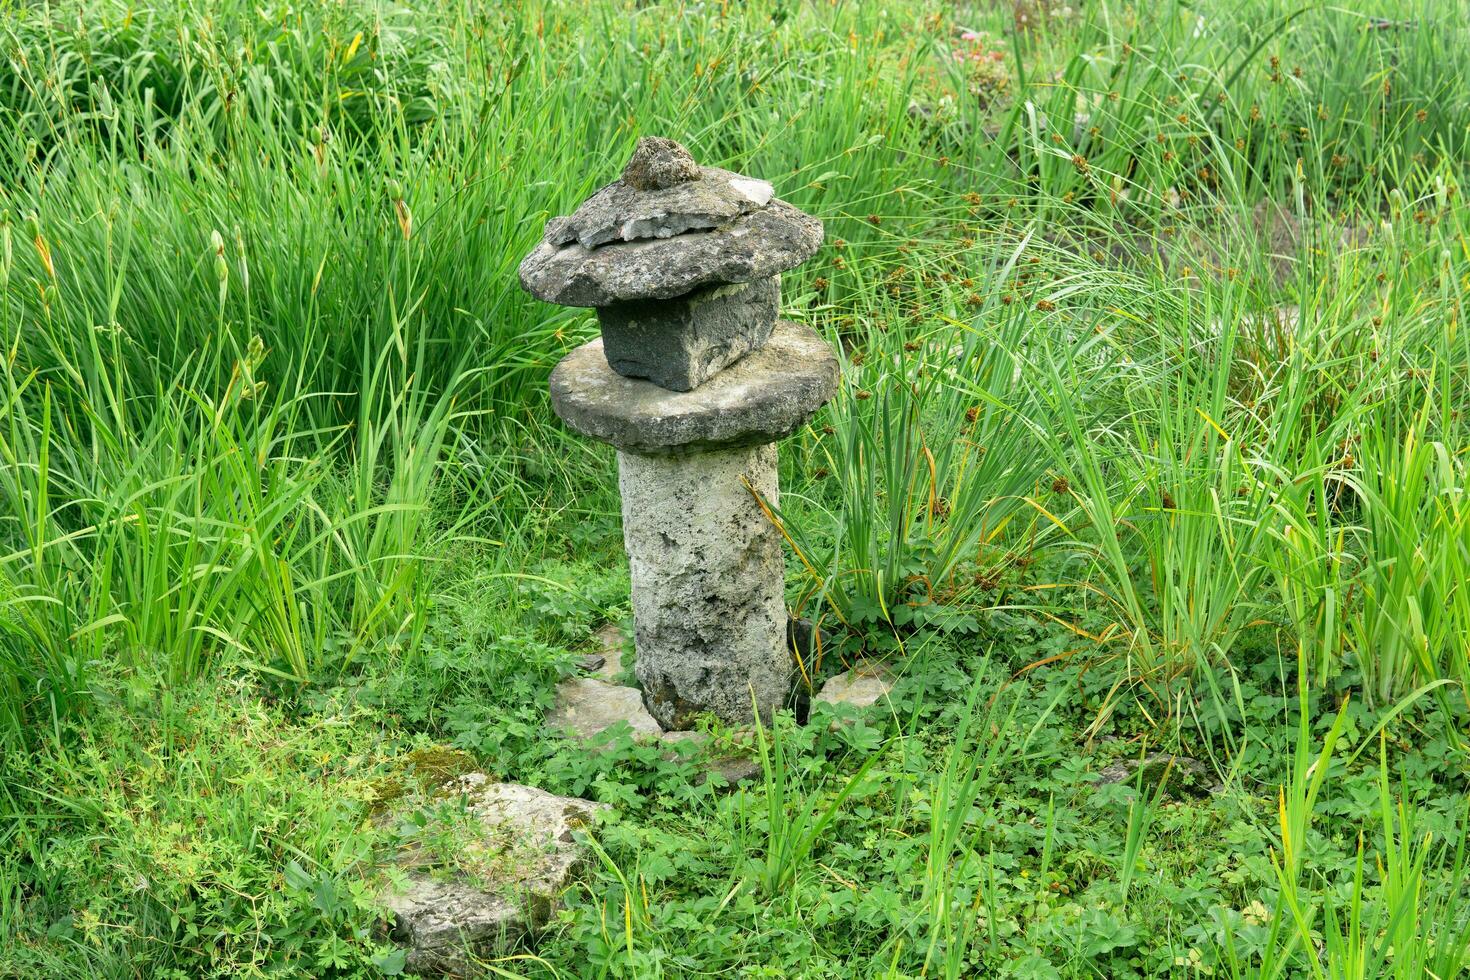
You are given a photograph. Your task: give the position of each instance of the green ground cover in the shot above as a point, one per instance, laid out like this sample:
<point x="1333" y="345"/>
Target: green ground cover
<point x="1151" y="439"/>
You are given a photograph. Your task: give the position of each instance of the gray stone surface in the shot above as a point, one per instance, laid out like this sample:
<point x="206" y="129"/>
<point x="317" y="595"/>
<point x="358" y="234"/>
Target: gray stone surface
<point x="622" y="213"/>
<point x="737" y="769"/>
<point x="733" y="765"/>
<point x="709" y="607"/>
<point x="585" y="706"/>
<point x="765" y="396"/>
<point x="518" y="856"/>
<point x="756" y="245"/>
<point x="666" y="228"/>
<point x="1185" y="776"/>
<point x="657" y="163"/>
<point x="861" y="687"/>
<point x="610" y="651"/>
<point x="681" y="343"/>
<point x="697" y="739"/>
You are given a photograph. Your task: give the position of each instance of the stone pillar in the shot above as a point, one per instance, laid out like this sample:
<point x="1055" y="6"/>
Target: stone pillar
<point x="694" y="380"/>
<point x="708" y="572"/>
<point x="709" y="607"/>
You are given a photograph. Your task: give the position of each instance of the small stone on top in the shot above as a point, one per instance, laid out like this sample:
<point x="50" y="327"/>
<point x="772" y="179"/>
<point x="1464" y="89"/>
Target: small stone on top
<point x="658" y="163"/>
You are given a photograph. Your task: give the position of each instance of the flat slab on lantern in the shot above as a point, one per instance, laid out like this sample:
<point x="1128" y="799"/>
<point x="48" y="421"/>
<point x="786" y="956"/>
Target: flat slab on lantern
<point x="752" y="246"/>
<point x="764" y="397"/>
<point x="620" y="212"/>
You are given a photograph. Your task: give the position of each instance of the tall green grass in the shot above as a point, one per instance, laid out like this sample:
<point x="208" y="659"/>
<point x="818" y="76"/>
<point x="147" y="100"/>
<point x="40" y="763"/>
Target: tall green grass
<point x="261" y="311"/>
<point x="354" y="186"/>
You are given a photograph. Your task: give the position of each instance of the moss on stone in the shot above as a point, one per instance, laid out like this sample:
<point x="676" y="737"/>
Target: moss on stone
<point x="439" y="764"/>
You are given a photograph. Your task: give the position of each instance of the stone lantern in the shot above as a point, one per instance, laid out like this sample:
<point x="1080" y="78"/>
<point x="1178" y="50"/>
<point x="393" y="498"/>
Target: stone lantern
<point x="693" y="380"/>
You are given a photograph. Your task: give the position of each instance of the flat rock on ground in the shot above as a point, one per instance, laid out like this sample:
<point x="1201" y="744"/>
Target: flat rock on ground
<point x="607" y="663"/>
<point x="1185" y="776"/>
<point x="734" y="765"/>
<point x="585" y="706"/>
<point x="861" y="687"/>
<point x="514" y="855"/>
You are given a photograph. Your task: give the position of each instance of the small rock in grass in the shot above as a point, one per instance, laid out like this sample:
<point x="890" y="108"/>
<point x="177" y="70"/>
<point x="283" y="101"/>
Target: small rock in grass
<point x="585" y="706"/>
<point x="697" y="739"/>
<point x="861" y="687"/>
<point x="1186" y="776"/>
<point x="733" y="766"/>
<point x="737" y="769"/>
<point x="609" y="655"/>
<point x="515" y="855"/>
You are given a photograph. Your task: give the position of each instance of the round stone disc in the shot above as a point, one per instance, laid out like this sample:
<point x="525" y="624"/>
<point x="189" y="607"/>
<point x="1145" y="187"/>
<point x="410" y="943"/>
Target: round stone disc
<point x="765" y="396"/>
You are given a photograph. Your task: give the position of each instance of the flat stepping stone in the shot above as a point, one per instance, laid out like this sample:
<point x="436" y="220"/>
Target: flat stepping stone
<point x="518" y="854"/>
<point x="1185" y="776"/>
<point x="610" y="651"/>
<point x="586" y="706"/>
<point x="861" y="687"/>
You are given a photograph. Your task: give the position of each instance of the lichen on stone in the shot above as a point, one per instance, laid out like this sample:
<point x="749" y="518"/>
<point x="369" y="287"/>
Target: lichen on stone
<point x="658" y="163"/>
